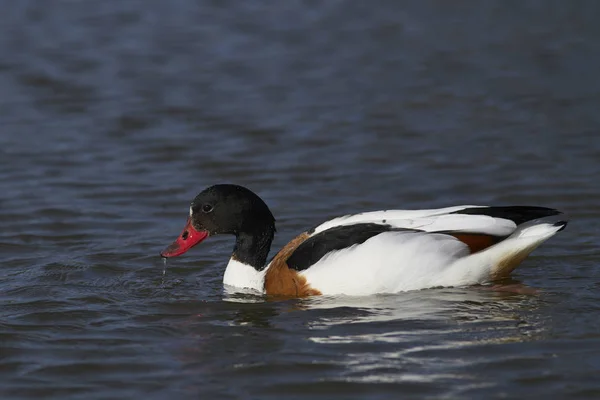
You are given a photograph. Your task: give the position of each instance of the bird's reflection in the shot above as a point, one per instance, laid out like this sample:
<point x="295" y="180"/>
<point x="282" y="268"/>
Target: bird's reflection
<point x="425" y="335"/>
<point x="420" y="336"/>
<point x="496" y="301"/>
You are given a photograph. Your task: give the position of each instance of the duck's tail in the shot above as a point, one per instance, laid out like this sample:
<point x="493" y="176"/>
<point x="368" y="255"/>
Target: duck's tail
<point x="498" y="261"/>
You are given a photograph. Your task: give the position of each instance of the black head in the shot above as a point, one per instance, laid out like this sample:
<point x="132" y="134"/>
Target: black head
<point x="229" y="209"/>
<point x="226" y="209"/>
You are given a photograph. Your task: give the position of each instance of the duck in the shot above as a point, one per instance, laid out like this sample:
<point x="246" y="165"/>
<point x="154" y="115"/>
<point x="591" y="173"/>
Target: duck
<point x="367" y="253"/>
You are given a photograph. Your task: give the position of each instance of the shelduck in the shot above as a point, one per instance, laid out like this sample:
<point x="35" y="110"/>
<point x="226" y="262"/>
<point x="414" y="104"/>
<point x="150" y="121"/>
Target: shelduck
<point x="368" y="253"/>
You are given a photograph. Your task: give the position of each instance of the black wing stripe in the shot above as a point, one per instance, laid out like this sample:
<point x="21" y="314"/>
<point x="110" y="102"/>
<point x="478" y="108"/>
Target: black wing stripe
<point x="336" y="238"/>
<point x="517" y="214"/>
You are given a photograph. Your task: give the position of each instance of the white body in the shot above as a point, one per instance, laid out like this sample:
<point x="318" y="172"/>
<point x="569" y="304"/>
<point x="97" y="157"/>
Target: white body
<point x="406" y="260"/>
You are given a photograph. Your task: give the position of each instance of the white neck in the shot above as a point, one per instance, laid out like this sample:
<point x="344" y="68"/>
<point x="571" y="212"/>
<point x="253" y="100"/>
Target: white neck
<point x="242" y="275"/>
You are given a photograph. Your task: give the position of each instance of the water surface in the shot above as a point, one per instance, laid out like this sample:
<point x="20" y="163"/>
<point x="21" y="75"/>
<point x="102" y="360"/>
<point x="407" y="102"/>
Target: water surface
<point x="115" y="114"/>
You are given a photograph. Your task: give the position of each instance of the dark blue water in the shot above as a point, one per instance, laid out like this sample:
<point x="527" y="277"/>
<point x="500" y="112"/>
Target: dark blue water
<point x="114" y="114"/>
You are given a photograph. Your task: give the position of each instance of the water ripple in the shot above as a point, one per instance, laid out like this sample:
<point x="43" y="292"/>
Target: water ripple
<point x="115" y="116"/>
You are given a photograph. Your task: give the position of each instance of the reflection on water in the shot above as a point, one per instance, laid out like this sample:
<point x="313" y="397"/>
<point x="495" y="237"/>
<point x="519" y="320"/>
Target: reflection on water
<point x="425" y="305"/>
<point x="428" y="337"/>
<point x="424" y="337"/>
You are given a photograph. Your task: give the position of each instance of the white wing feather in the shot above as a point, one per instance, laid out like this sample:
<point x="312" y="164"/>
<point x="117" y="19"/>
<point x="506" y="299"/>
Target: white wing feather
<point x="433" y="220"/>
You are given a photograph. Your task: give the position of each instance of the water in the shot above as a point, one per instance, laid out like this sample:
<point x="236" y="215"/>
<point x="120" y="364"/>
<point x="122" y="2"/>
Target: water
<point x="115" y="114"/>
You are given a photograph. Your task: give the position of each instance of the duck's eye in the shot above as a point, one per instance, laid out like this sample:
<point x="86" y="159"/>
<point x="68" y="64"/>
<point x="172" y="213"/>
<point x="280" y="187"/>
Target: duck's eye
<point x="207" y="208"/>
